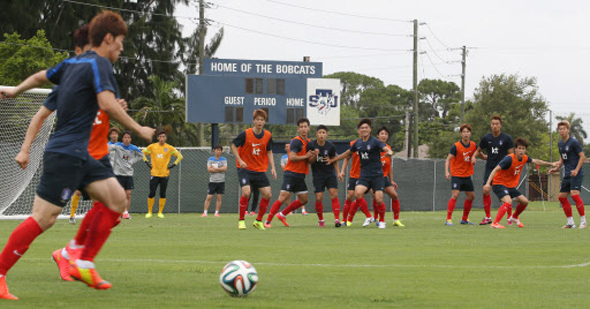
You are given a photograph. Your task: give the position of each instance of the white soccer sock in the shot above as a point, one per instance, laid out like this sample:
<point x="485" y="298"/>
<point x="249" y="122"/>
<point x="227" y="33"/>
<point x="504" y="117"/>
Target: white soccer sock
<point x="216" y="212"/>
<point x="570" y="220"/>
<point x="73" y="245"/>
<point x="65" y="253"/>
<point x="583" y="219"/>
<point x="205" y="212"/>
<point x="84" y="264"/>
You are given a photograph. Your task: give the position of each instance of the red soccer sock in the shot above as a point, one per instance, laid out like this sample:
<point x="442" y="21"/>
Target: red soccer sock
<point x="487" y="205"/>
<point x="18" y="243"/>
<point x="336" y="208"/>
<point x="519" y="209"/>
<point x="319" y="209"/>
<point x="364" y="207"/>
<point x="353" y="208"/>
<point x="346" y="210"/>
<point x="396" y="208"/>
<point x="451" y="208"/>
<point x="579" y="204"/>
<point x="243" y="206"/>
<point x="466" y="209"/>
<point x="501" y="211"/>
<point x="296" y="204"/>
<point x="273" y="210"/>
<point x="80" y="238"/>
<point x="375" y="210"/>
<point x="262" y="208"/>
<point x="509" y="212"/>
<point x="382" y="212"/>
<point x="567" y="208"/>
<point x="99" y="231"/>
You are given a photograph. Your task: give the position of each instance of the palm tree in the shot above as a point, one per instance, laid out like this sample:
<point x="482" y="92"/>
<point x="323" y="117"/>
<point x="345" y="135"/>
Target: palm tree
<point x="576" y="127"/>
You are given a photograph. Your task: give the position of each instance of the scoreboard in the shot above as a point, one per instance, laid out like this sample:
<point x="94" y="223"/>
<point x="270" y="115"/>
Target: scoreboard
<point x="230" y="90"/>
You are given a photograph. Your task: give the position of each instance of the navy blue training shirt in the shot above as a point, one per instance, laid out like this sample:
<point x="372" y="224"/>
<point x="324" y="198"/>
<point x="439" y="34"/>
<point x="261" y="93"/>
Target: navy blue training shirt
<point x="319" y="167"/>
<point x="370" y="156"/>
<point x="80" y="79"/>
<point x="496" y="148"/>
<point x="51" y="101"/>
<point x="570" y="153"/>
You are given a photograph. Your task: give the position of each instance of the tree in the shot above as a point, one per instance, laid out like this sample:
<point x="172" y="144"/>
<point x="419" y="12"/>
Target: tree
<point x="21" y="58"/>
<point x="576" y="127"/>
<point x="436" y="97"/>
<point x="353" y="84"/>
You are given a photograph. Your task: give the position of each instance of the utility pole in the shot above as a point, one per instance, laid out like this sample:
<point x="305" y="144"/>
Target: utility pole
<point x="463" y="64"/>
<point x="415" y="84"/>
<point x="201" y="126"/>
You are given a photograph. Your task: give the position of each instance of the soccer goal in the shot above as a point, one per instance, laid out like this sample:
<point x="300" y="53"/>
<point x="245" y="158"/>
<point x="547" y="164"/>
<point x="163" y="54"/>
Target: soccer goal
<point x="17" y="189"/>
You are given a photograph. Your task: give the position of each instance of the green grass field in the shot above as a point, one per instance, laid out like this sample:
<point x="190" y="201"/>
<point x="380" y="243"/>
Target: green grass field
<point x="175" y="262"/>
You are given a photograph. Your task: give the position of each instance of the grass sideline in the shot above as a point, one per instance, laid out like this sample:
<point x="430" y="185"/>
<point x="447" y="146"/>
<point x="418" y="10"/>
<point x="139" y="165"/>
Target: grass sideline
<point x="175" y="262"/>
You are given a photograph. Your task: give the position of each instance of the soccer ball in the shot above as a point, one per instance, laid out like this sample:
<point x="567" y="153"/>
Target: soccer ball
<point x="238" y="278"/>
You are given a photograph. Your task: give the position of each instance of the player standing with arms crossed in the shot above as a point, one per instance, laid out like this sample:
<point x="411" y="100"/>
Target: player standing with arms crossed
<point x="216" y="166"/>
<point x="253" y="149"/>
<point x="123" y="156"/>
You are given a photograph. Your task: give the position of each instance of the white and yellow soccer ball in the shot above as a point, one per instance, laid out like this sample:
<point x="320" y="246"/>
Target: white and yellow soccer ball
<point x="238" y="278"/>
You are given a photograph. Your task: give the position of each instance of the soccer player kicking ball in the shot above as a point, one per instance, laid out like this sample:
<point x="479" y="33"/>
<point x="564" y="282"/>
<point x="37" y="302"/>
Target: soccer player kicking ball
<point x="459" y="160"/>
<point x="369" y="150"/>
<point x="505" y="178"/>
<point x="572" y="158"/>
<point x="253" y="149"/>
<point x="86" y="84"/>
<point x="497" y="145"/>
<point x="294" y="176"/>
<point x="324" y="176"/>
<point x="160" y="154"/>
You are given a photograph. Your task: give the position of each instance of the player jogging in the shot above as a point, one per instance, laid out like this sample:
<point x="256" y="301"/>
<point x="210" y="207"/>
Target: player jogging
<point x="459" y="161"/>
<point x="572" y="158"/>
<point x="253" y="149"/>
<point x="160" y="165"/>
<point x="505" y="178"/>
<point x="124" y="155"/>
<point x="86" y="84"/>
<point x="294" y="176"/>
<point x="324" y="176"/>
<point x="390" y="185"/>
<point x="216" y="166"/>
<point x="497" y="145"/>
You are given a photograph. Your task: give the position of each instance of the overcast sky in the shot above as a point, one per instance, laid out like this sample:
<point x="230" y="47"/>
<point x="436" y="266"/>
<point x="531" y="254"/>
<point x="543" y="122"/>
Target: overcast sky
<point x="543" y="39"/>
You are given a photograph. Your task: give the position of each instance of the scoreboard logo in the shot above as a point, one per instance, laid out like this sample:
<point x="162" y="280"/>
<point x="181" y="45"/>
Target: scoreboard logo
<point x="324" y="100"/>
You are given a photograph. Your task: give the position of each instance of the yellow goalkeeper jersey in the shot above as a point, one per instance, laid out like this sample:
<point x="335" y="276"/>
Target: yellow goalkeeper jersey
<point x="160" y="155"/>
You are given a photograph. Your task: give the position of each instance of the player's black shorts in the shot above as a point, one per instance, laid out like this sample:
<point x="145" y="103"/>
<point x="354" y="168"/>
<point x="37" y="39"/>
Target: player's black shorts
<point x="571" y="183"/>
<point x="375" y="183"/>
<point x="321" y="183"/>
<point x="250" y="178"/>
<point x="154" y="182"/>
<point x="64" y="174"/>
<point x="486" y="175"/>
<point x="107" y="163"/>
<point x="294" y="184"/>
<point x="216" y="188"/>
<point x="501" y="191"/>
<point x="387" y="182"/>
<point x="126" y="182"/>
<point x="351" y="184"/>
<point x="462" y="184"/>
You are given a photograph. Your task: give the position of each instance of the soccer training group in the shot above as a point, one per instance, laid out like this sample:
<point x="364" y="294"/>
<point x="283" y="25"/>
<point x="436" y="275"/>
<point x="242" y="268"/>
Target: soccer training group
<point x="77" y="162"/>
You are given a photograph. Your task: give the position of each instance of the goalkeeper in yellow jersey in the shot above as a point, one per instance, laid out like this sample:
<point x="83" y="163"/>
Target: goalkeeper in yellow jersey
<point x="160" y="165"/>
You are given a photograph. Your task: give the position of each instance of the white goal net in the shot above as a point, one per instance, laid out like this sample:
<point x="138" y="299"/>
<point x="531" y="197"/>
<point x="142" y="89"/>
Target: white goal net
<point x="17" y="189"/>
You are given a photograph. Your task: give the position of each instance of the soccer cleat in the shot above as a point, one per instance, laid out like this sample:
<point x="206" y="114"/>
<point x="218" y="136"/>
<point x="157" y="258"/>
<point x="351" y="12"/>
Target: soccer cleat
<point x="290" y="213"/>
<point x="305" y="213"/>
<point x="398" y="223"/>
<point x="497" y="226"/>
<point x="382" y="225"/>
<point x="449" y="223"/>
<point x="72" y="220"/>
<point x="267" y="224"/>
<point x="90" y="277"/>
<point x="348" y="223"/>
<point x="485" y="221"/>
<point x="322" y="223"/>
<point x="517" y="222"/>
<point x="464" y="222"/>
<point x="217" y="214"/>
<point x="376" y="221"/>
<point x="337" y="223"/>
<point x="126" y="216"/>
<point x="241" y="225"/>
<point x="282" y="219"/>
<point x="160" y="215"/>
<point x="148" y="215"/>
<point x="259" y="225"/>
<point x="63" y="265"/>
<point x="252" y="213"/>
<point x="4" y="294"/>
<point x="569" y="226"/>
<point x="368" y="221"/>
<point x="582" y="225"/>
<point x="509" y="221"/>
<point x="203" y="215"/>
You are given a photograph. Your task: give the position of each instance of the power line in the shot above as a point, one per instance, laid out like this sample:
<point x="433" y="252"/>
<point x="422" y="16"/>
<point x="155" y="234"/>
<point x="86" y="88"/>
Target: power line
<point x="339" y="13"/>
<point x="126" y="10"/>
<point x="315" y="26"/>
<point x="434" y="35"/>
<point x="437" y="55"/>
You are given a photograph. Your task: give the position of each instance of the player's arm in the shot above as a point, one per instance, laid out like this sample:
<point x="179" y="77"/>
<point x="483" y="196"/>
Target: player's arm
<point x="544" y="163"/>
<point x="147" y="152"/>
<point x="137" y="155"/>
<point x="236" y="153"/>
<point x="388" y="152"/>
<point x="271" y="160"/>
<point x="488" y="185"/>
<point x="22" y="158"/>
<point x="557" y="166"/>
<point x="447" y="166"/>
<point x="344" y="155"/>
<point x="575" y="172"/>
<point x="478" y="154"/>
<point x="36" y="80"/>
<point x="109" y="104"/>
<point x="223" y="169"/>
<point x="179" y="158"/>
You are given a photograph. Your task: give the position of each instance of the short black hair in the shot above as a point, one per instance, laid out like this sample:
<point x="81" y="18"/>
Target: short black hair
<point x="301" y="120"/>
<point x="162" y="132"/>
<point x="218" y="147"/>
<point x="126" y="132"/>
<point x="384" y="128"/>
<point x="521" y="142"/>
<point x="363" y="121"/>
<point x="322" y="127"/>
